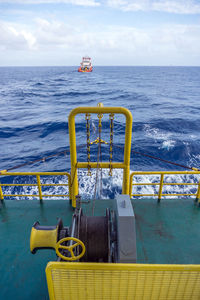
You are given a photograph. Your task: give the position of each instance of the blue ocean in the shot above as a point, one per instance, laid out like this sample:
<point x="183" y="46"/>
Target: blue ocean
<point x="36" y="102"/>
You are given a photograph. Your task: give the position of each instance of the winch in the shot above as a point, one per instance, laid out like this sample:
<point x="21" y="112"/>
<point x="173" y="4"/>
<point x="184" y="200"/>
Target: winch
<point x="109" y="238"/>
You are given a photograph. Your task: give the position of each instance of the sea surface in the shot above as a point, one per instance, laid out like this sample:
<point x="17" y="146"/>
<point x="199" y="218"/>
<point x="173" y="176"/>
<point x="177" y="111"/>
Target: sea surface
<point x="36" y="102"/>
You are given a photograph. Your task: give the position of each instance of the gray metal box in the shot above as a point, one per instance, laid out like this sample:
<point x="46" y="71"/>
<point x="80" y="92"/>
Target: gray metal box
<point x="126" y="234"/>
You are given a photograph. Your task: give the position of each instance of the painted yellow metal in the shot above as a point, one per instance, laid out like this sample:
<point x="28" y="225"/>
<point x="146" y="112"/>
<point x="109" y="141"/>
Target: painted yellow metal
<point x="43" y="238"/>
<point x="198" y="193"/>
<point x="97" y="142"/>
<point x="164" y="172"/>
<point x="161" y="183"/>
<point x="100" y="104"/>
<point x="161" y="186"/>
<point x="73" y="154"/>
<point x="3" y="172"/>
<point x="170" y="183"/>
<point x="39" y="184"/>
<point x="103" y="165"/>
<point x="36" y="195"/>
<point x="110" y="281"/>
<point x="168" y="195"/>
<point x="19" y="184"/>
<point x="1" y="193"/>
<point x="71" y="248"/>
<point x="36" y="173"/>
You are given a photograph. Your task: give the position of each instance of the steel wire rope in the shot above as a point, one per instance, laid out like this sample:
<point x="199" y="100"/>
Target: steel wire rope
<point x="161" y="159"/>
<point x="82" y="146"/>
<point x="65" y="152"/>
<point x="158" y="158"/>
<point x="99" y="155"/>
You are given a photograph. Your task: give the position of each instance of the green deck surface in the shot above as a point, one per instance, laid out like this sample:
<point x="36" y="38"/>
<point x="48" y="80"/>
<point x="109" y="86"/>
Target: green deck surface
<point x="168" y="232"/>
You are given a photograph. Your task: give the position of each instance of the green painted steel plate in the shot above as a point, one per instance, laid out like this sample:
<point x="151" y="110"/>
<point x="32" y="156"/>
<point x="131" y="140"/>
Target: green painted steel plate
<point x="166" y="233"/>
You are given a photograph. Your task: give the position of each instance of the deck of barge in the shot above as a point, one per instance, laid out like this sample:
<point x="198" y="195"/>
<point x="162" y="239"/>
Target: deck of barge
<point x="167" y="233"/>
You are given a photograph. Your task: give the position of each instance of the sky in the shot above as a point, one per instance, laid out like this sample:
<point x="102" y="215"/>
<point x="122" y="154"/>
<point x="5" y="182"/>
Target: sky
<point x="111" y="32"/>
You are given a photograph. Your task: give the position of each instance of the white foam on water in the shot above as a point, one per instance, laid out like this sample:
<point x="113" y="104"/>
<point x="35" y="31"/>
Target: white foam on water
<point x="111" y="186"/>
<point x="164" y="136"/>
<point x="156" y="133"/>
<point x="169" y="144"/>
<point x="194" y="160"/>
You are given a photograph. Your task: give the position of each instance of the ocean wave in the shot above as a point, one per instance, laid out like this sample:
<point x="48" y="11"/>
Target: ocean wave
<point x="38" y="84"/>
<point x="74" y="94"/>
<point x="177" y="125"/>
<point x="36" y="102"/>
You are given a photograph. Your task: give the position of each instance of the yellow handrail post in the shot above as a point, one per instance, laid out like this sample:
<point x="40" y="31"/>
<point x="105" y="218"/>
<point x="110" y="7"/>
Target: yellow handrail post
<point x="131" y="184"/>
<point x="70" y="188"/>
<point x="1" y="193"/>
<point x="39" y="186"/>
<point x="127" y="154"/>
<point x="100" y="104"/>
<point x="73" y="157"/>
<point x="198" y="194"/>
<point x="161" y="187"/>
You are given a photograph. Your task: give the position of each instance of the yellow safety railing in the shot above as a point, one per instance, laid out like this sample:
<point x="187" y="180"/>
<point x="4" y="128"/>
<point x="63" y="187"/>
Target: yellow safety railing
<point x="161" y="183"/>
<point x="38" y="184"/>
<point x="125" y="165"/>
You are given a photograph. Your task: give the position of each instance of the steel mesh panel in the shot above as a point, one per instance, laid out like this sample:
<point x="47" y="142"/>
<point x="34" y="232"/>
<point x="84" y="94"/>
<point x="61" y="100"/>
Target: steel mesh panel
<point x="106" y="284"/>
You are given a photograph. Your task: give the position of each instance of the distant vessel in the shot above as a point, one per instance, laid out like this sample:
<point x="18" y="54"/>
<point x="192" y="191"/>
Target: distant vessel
<point x="86" y="65"/>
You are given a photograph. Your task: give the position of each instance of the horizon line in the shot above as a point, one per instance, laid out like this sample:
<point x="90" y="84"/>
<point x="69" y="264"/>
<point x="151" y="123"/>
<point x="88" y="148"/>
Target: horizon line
<point x="76" y="66"/>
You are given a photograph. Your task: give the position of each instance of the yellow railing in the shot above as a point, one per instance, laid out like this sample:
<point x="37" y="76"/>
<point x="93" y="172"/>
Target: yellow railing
<point x="161" y="183"/>
<point x="125" y="165"/>
<point x="39" y="185"/>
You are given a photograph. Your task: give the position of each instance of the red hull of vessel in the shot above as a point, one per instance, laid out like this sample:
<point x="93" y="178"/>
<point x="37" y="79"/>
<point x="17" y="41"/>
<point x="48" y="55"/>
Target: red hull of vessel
<point x="84" y="70"/>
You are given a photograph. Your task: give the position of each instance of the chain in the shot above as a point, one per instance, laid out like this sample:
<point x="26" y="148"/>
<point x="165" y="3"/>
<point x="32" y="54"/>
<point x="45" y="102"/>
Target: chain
<point x="99" y="158"/>
<point x="111" y="117"/>
<point x="87" y="117"/>
<point x="100" y="116"/>
<point x="98" y="141"/>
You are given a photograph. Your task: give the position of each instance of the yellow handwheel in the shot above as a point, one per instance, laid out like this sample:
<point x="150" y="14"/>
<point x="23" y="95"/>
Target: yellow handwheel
<point x="70" y="248"/>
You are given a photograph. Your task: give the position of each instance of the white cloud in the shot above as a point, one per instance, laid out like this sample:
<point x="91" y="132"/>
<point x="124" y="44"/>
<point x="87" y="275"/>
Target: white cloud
<point x="54" y="34"/>
<point x="107" y="39"/>
<point x="179" y="7"/>
<point x="74" y="2"/>
<point x="128" y="5"/>
<point x="170" y="6"/>
<point x="114" y="45"/>
<point x="13" y="38"/>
